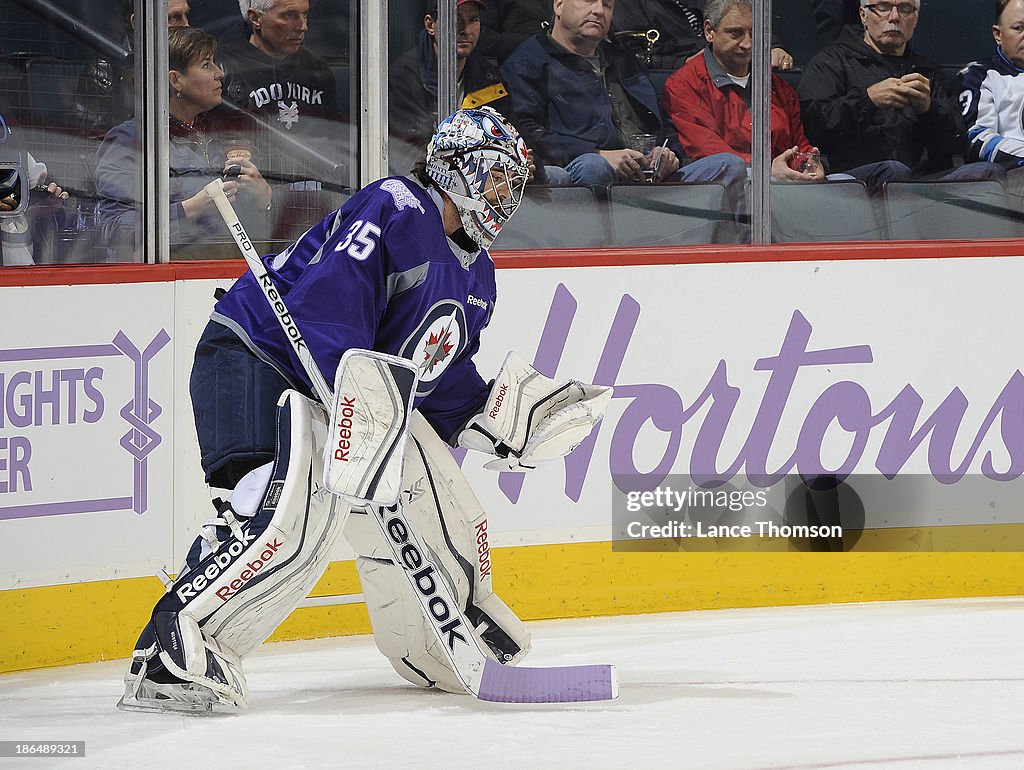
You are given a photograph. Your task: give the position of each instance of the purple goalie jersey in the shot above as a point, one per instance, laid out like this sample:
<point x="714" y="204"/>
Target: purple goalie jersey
<point x="378" y="273"/>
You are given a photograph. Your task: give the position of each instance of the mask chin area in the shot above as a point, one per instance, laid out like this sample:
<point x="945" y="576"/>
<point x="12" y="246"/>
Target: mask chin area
<point x="461" y="239"/>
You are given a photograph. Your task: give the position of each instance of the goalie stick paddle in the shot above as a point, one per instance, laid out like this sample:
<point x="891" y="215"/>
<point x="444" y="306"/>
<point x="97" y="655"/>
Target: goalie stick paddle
<point x="481" y="675"/>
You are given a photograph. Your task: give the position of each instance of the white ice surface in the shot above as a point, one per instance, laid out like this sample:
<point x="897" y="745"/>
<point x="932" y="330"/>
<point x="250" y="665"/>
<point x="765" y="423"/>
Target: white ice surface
<point x="906" y="685"/>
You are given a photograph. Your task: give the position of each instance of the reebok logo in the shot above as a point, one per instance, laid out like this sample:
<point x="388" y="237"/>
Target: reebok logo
<point x="345" y="411"/>
<point x="476" y="301"/>
<point x="251" y="568"/>
<point x="415" y="491"/>
<point x="281" y="311"/>
<point x="483" y="549"/>
<point x="440" y="613"/>
<point x="221" y="561"/>
<point x="502" y="392"/>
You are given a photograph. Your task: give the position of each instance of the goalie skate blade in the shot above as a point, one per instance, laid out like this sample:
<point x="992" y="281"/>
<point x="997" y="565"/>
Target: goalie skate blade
<point x="558" y="684"/>
<point x="165" y="706"/>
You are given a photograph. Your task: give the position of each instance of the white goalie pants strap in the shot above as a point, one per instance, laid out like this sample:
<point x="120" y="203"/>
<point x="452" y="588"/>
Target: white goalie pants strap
<point x="437" y="501"/>
<point x="240" y="592"/>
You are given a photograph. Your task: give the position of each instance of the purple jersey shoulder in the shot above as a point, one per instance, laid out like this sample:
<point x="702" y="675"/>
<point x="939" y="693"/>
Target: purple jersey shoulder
<point x="377" y="273"/>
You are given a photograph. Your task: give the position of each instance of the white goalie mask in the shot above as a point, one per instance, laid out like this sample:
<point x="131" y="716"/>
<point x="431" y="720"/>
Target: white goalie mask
<point x="480" y="161"/>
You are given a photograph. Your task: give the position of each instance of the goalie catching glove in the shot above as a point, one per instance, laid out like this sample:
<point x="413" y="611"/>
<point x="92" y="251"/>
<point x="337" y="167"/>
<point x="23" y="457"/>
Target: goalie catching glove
<point x="531" y="419"/>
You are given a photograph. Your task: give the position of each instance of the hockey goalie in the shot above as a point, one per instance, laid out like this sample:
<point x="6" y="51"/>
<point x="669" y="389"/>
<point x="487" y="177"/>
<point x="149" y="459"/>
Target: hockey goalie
<point x="387" y="297"/>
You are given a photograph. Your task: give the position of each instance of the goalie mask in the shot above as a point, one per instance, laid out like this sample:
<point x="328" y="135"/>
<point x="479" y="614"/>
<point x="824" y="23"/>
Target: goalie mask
<point x="479" y="160"/>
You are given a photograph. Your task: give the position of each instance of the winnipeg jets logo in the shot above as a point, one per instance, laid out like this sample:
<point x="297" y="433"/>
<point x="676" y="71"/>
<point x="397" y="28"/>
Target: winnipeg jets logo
<point x="437" y="341"/>
<point x="288" y="113"/>
<point x="437" y="349"/>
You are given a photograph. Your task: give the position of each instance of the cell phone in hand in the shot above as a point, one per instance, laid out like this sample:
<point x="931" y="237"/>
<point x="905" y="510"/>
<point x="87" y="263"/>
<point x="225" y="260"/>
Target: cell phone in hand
<point x="232" y="172"/>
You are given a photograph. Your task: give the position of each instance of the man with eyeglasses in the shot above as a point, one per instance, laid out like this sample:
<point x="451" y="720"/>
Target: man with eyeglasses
<point x="869" y="98"/>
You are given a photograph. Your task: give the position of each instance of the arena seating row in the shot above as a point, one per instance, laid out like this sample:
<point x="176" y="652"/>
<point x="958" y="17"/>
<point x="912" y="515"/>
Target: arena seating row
<point x="662" y="215"/>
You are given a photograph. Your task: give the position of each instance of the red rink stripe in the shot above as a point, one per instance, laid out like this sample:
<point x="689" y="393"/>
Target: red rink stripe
<point x="76" y="275"/>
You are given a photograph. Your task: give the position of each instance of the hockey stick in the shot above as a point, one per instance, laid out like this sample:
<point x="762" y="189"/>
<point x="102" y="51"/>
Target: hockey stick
<point x="479" y="673"/>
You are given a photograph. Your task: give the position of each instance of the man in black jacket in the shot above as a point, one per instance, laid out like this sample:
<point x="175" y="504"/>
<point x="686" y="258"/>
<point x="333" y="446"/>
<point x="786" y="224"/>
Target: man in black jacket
<point x="412" y="84"/>
<point x="105" y="93"/>
<point x="869" y="98"/>
<point x="581" y="100"/>
<point x="680" y="28"/>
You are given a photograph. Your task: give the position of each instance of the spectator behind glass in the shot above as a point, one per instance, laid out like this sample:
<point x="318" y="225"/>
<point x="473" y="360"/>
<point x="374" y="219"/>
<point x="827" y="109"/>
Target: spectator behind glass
<point x="992" y="96"/>
<point x="105" y="93"/>
<point x="507" y="23"/>
<point x="22" y="234"/>
<point x="579" y="100"/>
<point x="869" y="97"/>
<point x="273" y="76"/>
<point x="830" y="16"/>
<point x="708" y="98"/>
<point x="194" y="82"/>
<point x="680" y="28"/>
<point x="412" y="84"/>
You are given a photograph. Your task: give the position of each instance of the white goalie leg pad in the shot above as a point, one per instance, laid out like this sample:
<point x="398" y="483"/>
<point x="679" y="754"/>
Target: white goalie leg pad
<point x="530" y="419"/>
<point x="246" y="573"/>
<point x="373" y="395"/>
<point x="438" y="502"/>
<point x="249" y="599"/>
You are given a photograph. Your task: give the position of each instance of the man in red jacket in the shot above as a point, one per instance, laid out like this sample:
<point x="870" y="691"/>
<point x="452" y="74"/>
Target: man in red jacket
<point x="708" y="99"/>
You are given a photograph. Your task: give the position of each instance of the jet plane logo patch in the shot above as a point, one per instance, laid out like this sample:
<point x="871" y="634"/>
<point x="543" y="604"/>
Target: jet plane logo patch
<point x="437" y="341"/>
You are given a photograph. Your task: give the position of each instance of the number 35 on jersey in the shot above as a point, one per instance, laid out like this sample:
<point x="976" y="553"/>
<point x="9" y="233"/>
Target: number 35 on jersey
<point x="360" y="240"/>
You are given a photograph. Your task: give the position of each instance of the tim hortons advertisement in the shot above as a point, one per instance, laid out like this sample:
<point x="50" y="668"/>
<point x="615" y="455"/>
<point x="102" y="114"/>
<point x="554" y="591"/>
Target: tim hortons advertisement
<point x="740" y="377"/>
<point x="898" y="376"/>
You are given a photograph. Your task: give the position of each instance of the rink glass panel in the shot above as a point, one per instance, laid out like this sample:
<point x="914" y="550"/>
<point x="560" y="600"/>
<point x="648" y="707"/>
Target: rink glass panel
<point x="57" y="97"/>
<point x="65" y="81"/>
<point x="46" y="59"/>
<point x="911" y="211"/>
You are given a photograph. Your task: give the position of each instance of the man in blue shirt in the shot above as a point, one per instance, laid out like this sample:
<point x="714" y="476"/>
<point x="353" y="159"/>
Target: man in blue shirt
<point x="579" y="99"/>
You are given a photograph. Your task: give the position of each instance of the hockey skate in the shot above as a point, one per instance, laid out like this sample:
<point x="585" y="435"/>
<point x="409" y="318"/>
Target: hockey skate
<point x="154" y="689"/>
